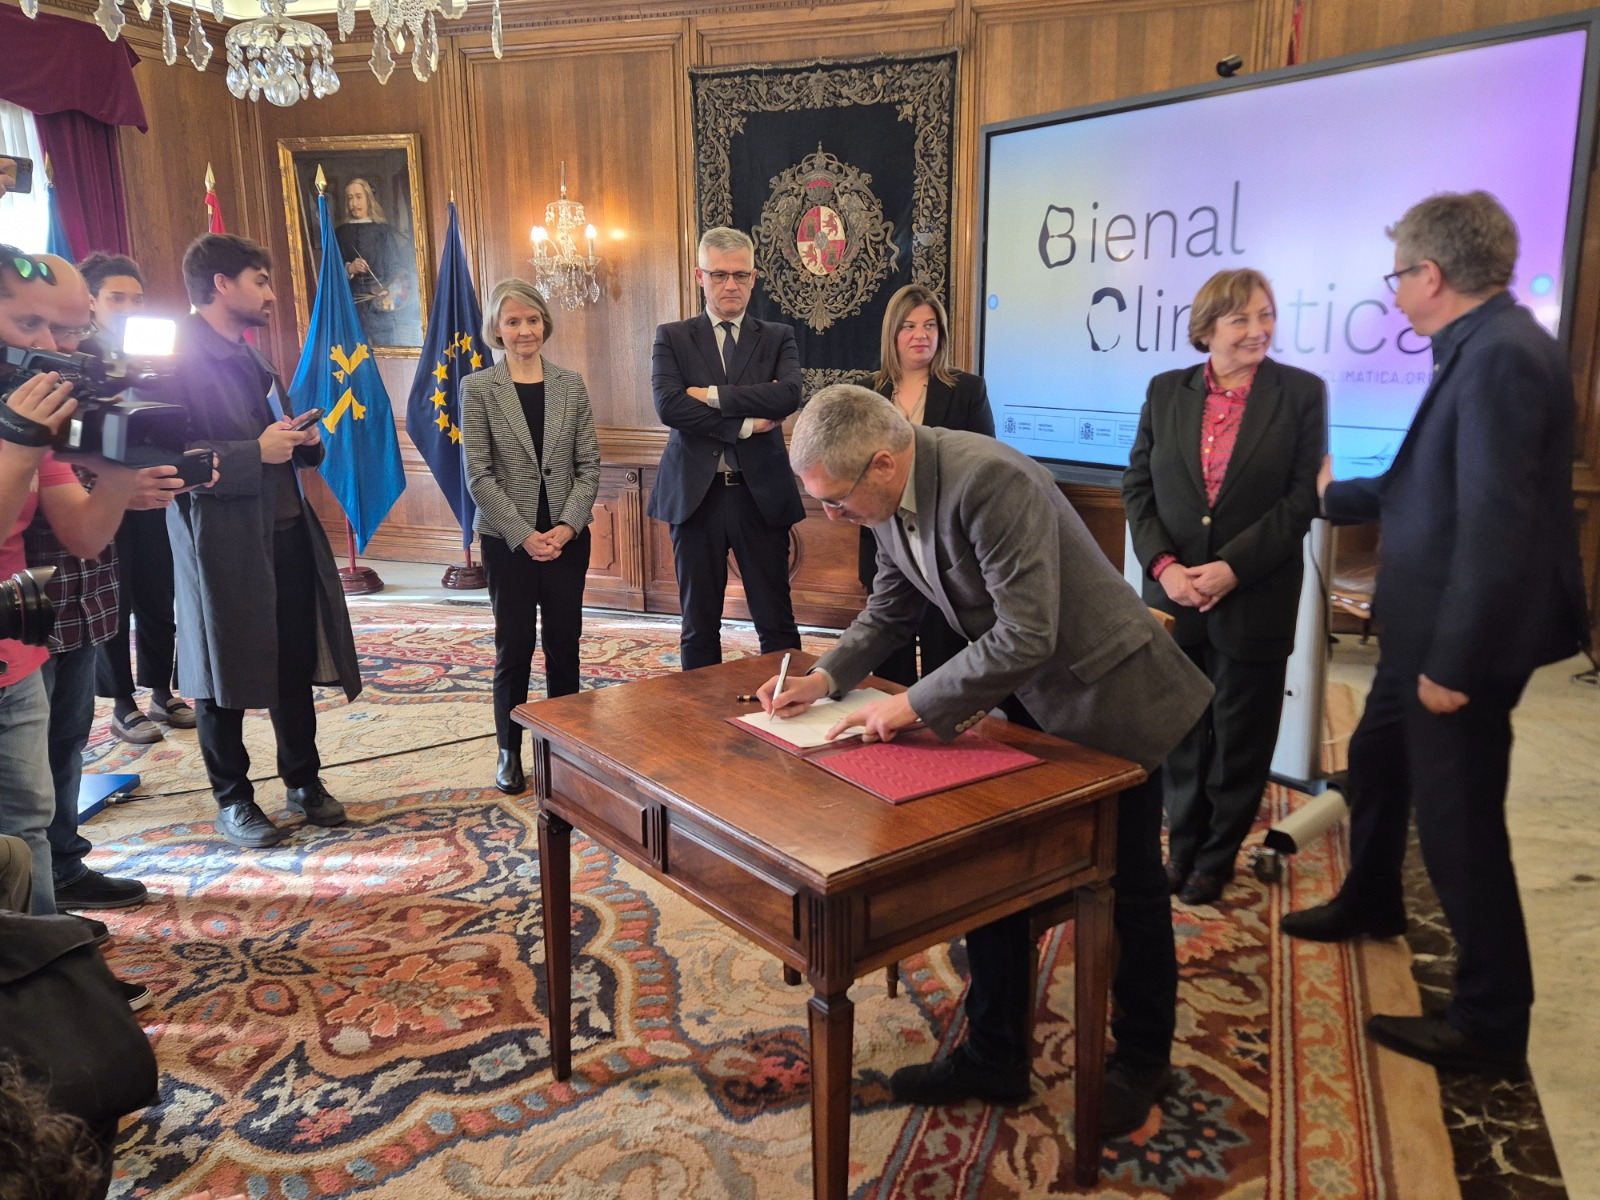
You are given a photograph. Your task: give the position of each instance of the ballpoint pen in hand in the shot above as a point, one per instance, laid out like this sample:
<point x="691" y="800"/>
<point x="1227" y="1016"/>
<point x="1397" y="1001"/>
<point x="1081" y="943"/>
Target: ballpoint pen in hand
<point x="783" y="674"/>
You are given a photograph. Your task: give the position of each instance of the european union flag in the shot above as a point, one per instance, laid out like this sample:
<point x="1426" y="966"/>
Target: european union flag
<point x="454" y="350"/>
<point x="56" y="241"/>
<point x="338" y="374"/>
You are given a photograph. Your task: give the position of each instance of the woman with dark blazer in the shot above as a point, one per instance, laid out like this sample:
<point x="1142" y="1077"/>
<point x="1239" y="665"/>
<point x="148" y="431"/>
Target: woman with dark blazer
<point x="917" y="374"/>
<point x="533" y="468"/>
<point x="1220" y="489"/>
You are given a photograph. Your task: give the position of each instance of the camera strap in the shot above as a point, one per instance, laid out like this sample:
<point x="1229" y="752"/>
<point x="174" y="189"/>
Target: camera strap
<point x="20" y="431"/>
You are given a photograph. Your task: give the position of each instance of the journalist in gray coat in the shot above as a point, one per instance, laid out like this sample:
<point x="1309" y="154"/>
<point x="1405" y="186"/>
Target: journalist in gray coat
<point x="1059" y="640"/>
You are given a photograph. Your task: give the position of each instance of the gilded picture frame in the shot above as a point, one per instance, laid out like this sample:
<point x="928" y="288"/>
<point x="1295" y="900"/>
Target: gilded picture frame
<point x="375" y="200"/>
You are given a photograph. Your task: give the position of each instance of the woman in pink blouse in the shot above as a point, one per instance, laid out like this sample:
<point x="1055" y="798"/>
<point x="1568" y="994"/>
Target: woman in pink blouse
<point x="1220" y="490"/>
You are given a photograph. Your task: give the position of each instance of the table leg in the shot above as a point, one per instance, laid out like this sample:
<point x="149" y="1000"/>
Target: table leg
<point x="1092" y="979"/>
<point x="832" y="1020"/>
<point x="555" y="897"/>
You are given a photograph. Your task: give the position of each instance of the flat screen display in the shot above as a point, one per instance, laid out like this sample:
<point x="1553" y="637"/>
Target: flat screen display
<point x="1099" y="226"/>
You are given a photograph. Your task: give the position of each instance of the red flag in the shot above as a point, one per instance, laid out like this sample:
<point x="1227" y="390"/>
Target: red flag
<point x="1295" y="32"/>
<point x="213" y="205"/>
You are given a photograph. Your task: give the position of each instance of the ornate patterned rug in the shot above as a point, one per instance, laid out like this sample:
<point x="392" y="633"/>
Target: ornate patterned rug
<point x="358" y="1011"/>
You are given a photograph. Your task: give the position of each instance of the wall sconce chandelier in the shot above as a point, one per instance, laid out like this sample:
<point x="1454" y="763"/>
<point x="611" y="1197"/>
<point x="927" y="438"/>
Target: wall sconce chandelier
<point x="287" y="60"/>
<point x="563" y="275"/>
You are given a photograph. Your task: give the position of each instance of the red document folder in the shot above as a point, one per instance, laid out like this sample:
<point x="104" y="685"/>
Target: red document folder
<point x="918" y="764"/>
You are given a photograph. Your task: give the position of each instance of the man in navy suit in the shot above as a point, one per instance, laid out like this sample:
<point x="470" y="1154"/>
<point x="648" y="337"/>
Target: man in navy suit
<point x="1479" y="583"/>
<point x="723" y="383"/>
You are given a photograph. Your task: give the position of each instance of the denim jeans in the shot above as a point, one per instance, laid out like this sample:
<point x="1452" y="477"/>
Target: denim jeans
<point x="27" y="797"/>
<point x="69" y="682"/>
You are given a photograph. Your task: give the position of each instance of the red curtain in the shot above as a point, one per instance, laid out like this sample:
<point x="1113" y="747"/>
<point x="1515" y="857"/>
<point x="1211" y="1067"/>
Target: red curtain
<point x="79" y="88"/>
<point x="88" y="171"/>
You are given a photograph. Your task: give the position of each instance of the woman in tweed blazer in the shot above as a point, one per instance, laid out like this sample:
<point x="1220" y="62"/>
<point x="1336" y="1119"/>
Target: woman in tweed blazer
<point x="533" y="467"/>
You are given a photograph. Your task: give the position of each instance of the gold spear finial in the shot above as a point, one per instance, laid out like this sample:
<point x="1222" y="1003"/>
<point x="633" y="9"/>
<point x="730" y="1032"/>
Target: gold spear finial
<point x="211" y="179"/>
<point x="322" y="181"/>
<point x="49" y="172"/>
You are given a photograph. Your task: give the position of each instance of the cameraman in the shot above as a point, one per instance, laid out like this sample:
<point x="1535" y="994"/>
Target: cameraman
<point x="144" y="557"/>
<point x="85" y="595"/>
<point x="261" y="613"/>
<point x="31" y="480"/>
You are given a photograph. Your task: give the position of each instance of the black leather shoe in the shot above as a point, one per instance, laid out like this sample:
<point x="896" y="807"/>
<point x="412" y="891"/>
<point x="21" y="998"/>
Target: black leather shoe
<point x="246" y="825"/>
<point x="1201" y="888"/>
<point x="1177" y="873"/>
<point x="960" y="1077"/>
<point x="315" y="805"/>
<point x="1128" y="1094"/>
<point x="1336" y="921"/>
<point x="1432" y="1039"/>
<point x="93" y="890"/>
<point x="508" y="776"/>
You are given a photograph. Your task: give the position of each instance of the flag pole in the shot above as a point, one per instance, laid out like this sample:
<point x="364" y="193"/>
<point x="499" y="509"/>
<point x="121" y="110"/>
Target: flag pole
<point x="469" y="577"/>
<point x="357" y="580"/>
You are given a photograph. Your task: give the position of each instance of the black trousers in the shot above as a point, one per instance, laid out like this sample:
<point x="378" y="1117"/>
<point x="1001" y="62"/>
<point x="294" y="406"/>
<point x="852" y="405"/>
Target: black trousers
<point x="1144" y="989"/>
<point x="522" y="592"/>
<point x="728" y="519"/>
<point x="1453" y="770"/>
<point x="294" y="717"/>
<point x="1215" y="776"/>
<point x="144" y="565"/>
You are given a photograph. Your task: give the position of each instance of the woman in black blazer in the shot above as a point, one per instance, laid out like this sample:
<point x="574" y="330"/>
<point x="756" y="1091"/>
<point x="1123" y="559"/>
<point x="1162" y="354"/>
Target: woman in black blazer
<point x="1220" y="489"/>
<point x="533" y="468"/>
<point x="917" y="374"/>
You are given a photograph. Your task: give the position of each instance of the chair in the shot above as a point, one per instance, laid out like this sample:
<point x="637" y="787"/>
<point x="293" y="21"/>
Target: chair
<point x="1355" y="574"/>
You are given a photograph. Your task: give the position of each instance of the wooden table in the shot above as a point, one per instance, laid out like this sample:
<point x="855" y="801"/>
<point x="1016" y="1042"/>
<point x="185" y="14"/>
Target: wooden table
<point x="828" y="878"/>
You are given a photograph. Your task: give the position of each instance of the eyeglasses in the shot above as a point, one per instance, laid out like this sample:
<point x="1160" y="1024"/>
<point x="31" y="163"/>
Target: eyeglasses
<point x="742" y="278"/>
<point x="1393" y="277"/>
<point x="29" y="269"/>
<point x="75" y="331"/>
<point x="836" y="505"/>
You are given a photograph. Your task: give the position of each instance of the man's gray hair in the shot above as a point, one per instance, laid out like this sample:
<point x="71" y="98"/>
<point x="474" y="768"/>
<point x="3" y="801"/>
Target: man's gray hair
<point x="724" y="238"/>
<point x="1469" y="234"/>
<point x="842" y="427"/>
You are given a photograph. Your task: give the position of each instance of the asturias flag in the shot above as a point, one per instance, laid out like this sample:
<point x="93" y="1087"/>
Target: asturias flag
<point x="455" y="349"/>
<point x="338" y="375"/>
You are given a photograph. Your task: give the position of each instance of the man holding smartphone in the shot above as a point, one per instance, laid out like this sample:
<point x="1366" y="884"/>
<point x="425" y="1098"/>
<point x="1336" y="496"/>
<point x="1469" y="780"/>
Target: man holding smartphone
<point x="260" y="612"/>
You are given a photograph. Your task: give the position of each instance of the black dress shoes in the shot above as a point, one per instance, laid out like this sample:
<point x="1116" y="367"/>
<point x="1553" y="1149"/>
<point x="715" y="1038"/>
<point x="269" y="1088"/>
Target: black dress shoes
<point x="1336" y="921"/>
<point x="1129" y="1093"/>
<point x="508" y="776"/>
<point x="246" y="825"/>
<point x="960" y="1077"/>
<point x="315" y="804"/>
<point x="1201" y="888"/>
<point x="1432" y="1039"/>
<point x="1177" y="874"/>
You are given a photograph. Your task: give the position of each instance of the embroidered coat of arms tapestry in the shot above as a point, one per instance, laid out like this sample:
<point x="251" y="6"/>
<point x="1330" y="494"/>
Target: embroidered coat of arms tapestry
<point x="840" y="169"/>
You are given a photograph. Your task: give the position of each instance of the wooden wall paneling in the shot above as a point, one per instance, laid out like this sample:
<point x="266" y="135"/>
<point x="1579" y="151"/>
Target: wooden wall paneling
<point x="616" y="558"/>
<point x="193" y="120"/>
<point x="1038" y="57"/>
<point x="602" y="99"/>
<point x="1353" y="26"/>
<point x="799" y="33"/>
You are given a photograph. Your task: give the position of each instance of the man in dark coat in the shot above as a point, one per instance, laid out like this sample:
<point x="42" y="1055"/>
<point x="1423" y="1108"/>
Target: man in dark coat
<point x="261" y="614"/>
<point x="723" y="383"/>
<point x="1479" y="583"/>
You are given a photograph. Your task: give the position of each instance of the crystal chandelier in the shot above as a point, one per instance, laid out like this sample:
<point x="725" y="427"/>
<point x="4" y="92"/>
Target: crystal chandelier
<point x="562" y="275"/>
<point x="287" y="60"/>
<point x="281" y="59"/>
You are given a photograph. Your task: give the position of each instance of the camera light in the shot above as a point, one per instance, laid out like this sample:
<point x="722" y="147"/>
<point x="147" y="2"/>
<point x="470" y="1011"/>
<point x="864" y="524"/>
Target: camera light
<point x="149" y="337"/>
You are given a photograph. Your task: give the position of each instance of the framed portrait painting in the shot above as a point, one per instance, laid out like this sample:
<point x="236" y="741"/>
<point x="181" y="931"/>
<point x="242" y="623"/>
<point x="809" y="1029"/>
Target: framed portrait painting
<point x="375" y="200"/>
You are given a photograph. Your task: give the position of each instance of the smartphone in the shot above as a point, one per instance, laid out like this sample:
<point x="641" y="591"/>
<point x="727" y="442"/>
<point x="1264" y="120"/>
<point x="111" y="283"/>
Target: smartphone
<point x="18" y="173"/>
<point x="306" y="419"/>
<point x="196" y="466"/>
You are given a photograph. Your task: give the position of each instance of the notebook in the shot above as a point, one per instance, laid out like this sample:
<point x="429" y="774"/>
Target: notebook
<point x="804" y="735"/>
<point x="918" y="764"/>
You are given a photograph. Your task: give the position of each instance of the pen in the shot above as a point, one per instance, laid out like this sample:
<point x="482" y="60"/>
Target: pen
<point x="747" y="699"/>
<point x="783" y="674"/>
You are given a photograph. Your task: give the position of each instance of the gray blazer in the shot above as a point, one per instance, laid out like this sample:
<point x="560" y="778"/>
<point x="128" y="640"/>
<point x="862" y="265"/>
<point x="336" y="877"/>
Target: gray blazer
<point x="504" y="473"/>
<point x="1048" y="617"/>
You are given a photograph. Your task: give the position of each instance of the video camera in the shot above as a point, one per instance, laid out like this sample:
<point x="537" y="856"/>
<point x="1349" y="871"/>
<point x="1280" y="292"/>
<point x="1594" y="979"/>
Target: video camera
<point x="116" y="417"/>
<point x="26" y="614"/>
